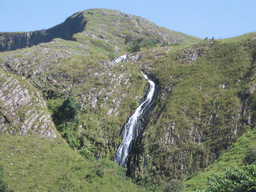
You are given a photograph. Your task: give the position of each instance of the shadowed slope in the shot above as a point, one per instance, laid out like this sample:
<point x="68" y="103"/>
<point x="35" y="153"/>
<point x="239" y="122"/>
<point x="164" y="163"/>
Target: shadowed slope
<point x="65" y="30"/>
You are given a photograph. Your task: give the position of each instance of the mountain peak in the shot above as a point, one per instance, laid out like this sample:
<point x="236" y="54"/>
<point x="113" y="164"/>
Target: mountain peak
<point x="111" y="26"/>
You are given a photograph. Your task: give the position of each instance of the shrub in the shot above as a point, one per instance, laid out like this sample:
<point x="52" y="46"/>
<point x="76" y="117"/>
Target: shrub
<point x="88" y="175"/>
<point x="100" y="173"/>
<point x="148" y="43"/>
<point x="3" y="184"/>
<point x="64" y="117"/>
<point x="155" y="188"/>
<point x="174" y="186"/>
<point x="164" y="44"/>
<point x="85" y="152"/>
<point x="69" y="109"/>
<point x="233" y="179"/>
<point x="128" y="38"/>
<point x="135" y="46"/>
<point x="250" y="157"/>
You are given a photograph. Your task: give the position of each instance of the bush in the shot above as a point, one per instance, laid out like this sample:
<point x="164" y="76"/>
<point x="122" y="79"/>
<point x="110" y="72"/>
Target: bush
<point x="64" y="117"/>
<point x="250" y="157"/>
<point x="85" y="152"/>
<point x="3" y="184"/>
<point x="148" y="43"/>
<point x="128" y="38"/>
<point x="88" y="175"/>
<point x="234" y="179"/>
<point x="155" y="188"/>
<point x="69" y="109"/>
<point x="174" y="186"/>
<point x="135" y="46"/>
<point x="164" y="44"/>
<point x="100" y="173"/>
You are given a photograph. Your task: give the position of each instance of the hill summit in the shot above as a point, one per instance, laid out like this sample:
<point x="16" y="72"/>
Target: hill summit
<point x="109" y="26"/>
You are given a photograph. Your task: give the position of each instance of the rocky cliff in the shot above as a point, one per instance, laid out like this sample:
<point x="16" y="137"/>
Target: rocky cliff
<point x="22" y="109"/>
<point x="65" y="30"/>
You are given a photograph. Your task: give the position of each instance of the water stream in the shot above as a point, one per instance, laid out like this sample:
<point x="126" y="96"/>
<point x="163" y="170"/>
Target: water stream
<point x="131" y="128"/>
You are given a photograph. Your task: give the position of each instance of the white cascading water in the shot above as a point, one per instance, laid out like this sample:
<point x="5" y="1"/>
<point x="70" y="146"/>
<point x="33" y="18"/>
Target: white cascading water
<point x="130" y="132"/>
<point x="120" y="58"/>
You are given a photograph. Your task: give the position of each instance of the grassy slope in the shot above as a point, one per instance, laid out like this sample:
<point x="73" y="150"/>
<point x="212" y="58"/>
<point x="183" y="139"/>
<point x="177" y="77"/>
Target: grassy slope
<point x="203" y="112"/>
<point x="35" y="164"/>
<point x="39" y="164"/>
<point x="107" y="28"/>
<point x="234" y="157"/>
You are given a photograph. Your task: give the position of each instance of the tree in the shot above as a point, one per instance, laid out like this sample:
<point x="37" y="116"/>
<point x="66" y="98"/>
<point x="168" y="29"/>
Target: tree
<point x="64" y="117"/>
<point x="69" y="109"/>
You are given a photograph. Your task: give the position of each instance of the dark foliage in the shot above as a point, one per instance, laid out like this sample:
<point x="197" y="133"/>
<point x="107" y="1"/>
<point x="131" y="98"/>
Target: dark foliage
<point x="3" y="184"/>
<point x="128" y="38"/>
<point x="250" y="157"/>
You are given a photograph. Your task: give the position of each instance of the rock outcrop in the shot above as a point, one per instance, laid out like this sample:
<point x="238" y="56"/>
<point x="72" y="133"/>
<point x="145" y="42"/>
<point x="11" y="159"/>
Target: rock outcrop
<point x="22" y="109"/>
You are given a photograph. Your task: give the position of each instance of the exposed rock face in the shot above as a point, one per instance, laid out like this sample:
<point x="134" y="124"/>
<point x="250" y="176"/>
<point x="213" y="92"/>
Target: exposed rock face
<point x="22" y="110"/>
<point x="195" y="52"/>
<point x="65" y="30"/>
<point x="33" y="62"/>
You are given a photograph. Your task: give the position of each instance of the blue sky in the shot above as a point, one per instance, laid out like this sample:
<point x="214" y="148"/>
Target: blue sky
<point x="201" y="18"/>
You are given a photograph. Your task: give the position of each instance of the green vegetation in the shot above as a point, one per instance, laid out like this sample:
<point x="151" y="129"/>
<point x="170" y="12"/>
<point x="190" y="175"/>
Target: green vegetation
<point x="250" y="156"/>
<point x="38" y="164"/>
<point x="3" y="184"/>
<point x="17" y="56"/>
<point x="174" y="186"/>
<point x="64" y="117"/>
<point x="234" y="157"/>
<point x="134" y="44"/>
<point x="202" y="124"/>
<point x="234" y="179"/>
<point x="202" y="111"/>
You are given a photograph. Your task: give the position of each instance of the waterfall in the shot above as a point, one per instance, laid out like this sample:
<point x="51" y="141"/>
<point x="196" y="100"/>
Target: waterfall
<point x="120" y="58"/>
<point x="131" y="132"/>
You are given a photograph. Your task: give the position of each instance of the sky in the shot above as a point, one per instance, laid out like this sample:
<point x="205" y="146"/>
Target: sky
<point x="201" y="18"/>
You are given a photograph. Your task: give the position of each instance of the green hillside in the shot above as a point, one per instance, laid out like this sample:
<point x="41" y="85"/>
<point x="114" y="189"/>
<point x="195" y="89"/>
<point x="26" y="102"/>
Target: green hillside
<point x="234" y="157"/>
<point x="37" y="164"/>
<point x="202" y="123"/>
<point x="205" y="105"/>
<point x="41" y="160"/>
